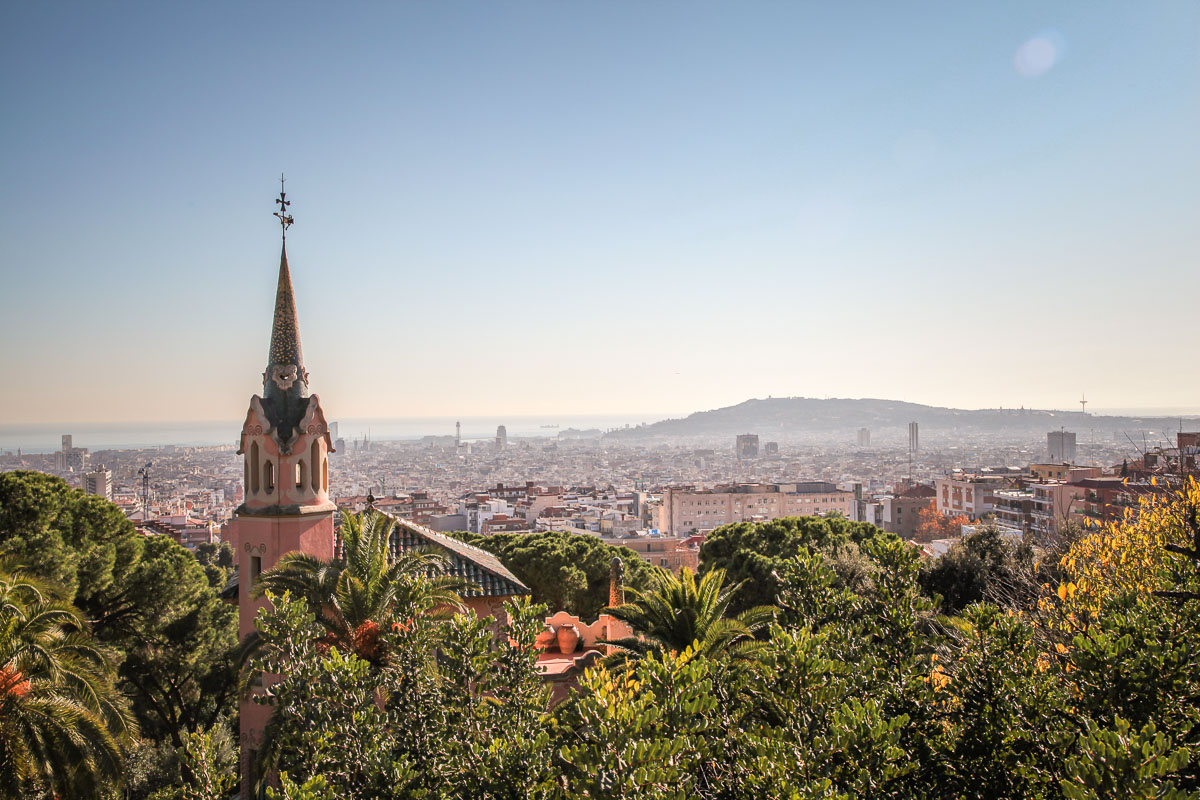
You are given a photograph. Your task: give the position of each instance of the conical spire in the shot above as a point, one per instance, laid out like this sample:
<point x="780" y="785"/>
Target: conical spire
<point x="285" y="328"/>
<point x="285" y="383"/>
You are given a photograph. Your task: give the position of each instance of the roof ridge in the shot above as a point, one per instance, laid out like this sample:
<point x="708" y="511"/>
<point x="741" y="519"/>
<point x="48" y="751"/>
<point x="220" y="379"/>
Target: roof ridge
<point x="484" y="559"/>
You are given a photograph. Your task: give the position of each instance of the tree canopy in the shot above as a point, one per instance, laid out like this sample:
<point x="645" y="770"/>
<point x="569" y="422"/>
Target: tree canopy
<point x="62" y="722"/>
<point x="985" y="565"/>
<point x="752" y="553"/>
<point x="567" y="571"/>
<point x="682" y="611"/>
<point x="144" y="597"/>
<point x="857" y="683"/>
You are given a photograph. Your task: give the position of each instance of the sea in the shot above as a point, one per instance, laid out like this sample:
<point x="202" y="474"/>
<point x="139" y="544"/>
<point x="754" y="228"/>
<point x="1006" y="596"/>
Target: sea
<point x="47" y="437"/>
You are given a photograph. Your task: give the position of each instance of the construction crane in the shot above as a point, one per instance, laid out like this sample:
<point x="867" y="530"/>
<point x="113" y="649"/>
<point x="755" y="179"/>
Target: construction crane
<point x="145" y="473"/>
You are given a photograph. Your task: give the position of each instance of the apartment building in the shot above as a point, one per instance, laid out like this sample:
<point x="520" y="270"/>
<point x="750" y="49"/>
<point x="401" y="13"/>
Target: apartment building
<point x="901" y="511"/>
<point x="661" y="551"/>
<point x="968" y="495"/>
<point x="98" y="482"/>
<point x="685" y="510"/>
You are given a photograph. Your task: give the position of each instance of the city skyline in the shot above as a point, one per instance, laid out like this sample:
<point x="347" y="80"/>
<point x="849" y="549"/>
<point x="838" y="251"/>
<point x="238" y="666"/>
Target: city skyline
<point x="568" y="211"/>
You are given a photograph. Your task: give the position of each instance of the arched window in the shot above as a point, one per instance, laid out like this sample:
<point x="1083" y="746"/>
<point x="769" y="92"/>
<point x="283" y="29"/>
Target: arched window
<point x="269" y="475"/>
<point x="299" y="476"/>
<point x="253" y="487"/>
<point x="325" y="474"/>
<point x="315" y="460"/>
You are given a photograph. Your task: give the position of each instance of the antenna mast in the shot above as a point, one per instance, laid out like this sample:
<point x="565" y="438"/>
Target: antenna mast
<point x="145" y="473"/>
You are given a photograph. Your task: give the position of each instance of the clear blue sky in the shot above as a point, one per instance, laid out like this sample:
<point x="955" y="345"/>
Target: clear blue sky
<point x="612" y="207"/>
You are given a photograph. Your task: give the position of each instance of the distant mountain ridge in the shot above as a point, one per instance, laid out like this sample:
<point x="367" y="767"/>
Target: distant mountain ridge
<point x="799" y="415"/>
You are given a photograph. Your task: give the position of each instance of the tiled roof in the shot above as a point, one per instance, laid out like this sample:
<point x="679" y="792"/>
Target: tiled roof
<point x="285" y="329"/>
<point x="467" y="562"/>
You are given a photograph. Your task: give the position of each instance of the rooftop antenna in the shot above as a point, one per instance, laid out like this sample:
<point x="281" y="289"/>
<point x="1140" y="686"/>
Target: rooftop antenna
<point x="1083" y="402"/>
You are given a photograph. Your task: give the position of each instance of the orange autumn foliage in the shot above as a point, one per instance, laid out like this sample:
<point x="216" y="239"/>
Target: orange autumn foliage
<point x="932" y="524"/>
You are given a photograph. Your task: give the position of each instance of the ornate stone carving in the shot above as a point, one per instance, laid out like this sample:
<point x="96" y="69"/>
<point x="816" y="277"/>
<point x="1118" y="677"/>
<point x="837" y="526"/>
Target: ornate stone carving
<point x="284" y="375"/>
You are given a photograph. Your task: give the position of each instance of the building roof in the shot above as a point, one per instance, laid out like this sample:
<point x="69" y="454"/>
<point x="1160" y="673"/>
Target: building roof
<point x="285" y="327"/>
<point x="470" y="563"/>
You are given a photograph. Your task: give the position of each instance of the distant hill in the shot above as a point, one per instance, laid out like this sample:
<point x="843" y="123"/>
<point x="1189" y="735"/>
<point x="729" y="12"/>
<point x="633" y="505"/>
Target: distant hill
<point x="810" y="415"/>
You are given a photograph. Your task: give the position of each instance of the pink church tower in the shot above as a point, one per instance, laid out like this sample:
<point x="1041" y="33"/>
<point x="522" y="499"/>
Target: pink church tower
<point x="285" y="447"/>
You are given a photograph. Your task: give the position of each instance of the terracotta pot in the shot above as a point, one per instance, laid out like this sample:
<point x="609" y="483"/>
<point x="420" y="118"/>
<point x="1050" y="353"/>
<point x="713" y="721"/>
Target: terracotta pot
<point x="545" y="639"/>
<point x="568" y="639"/>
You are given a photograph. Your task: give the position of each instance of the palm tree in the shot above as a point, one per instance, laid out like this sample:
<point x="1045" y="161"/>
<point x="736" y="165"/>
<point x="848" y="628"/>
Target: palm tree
<point x="369" y="588"/>
<point x="61" y="720"/>
<point x="677" y="612"/>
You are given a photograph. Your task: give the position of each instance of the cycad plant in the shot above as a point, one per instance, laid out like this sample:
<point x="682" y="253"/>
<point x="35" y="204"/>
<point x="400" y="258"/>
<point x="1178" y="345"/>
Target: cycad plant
<point x="369" y="588"/>
<point x="678" y="611"/>
<point x="62" y="723"/>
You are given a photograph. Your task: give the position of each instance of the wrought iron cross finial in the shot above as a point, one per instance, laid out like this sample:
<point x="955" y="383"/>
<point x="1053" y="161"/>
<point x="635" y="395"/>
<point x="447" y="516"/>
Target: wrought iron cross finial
<point x="285" y="219"/>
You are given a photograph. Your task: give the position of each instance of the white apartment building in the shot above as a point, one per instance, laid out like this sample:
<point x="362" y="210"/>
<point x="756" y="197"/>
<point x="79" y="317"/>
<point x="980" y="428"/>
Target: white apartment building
<point x="685" y="510"/>
<point x="98" y="482"/>
<point x="478" y="510"/>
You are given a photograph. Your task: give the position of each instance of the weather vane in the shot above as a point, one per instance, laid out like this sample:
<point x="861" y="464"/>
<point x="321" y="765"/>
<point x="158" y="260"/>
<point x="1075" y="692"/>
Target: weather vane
<point x="285" y="219"/>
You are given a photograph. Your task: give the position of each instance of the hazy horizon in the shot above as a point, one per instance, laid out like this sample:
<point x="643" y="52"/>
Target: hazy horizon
<point x="547" y="209"/>
<point x="133" y="434"/>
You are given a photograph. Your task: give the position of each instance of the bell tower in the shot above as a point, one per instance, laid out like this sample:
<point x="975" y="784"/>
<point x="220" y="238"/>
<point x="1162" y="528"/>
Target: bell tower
<point x="285" y="447"/>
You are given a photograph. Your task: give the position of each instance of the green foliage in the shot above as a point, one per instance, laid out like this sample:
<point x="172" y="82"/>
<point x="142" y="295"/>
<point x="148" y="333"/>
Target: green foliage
<point x="681" y="611"/>
<point x="62" y="723"/>
<point x="211" y="762"/>
<point x="565" y="571"/>
<point x="370" y="590"/>
<point x="642" y="734"/>
<point x="179" y="641"/>
<point x="849" y="685"/>
<point x="856" y="689"/>
<point x="78" y="541"/>
<point x="217" y="560"/>
<point x="147" y="599"/>
<point x="1118" y="762"/>
<point x="751" y="553"/>
<point x="1007" y="715"/>
<point x="985" y="565"/>
<point x="454" y="714"/>
<point x="316" y="788"/>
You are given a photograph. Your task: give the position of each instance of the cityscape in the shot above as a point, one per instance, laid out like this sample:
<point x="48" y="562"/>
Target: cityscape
<point x="601" y="483"/>
<point x="922" y="515"/>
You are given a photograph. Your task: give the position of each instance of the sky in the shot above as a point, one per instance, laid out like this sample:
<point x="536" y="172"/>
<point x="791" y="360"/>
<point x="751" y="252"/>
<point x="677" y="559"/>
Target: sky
<point x="598" y="207"/>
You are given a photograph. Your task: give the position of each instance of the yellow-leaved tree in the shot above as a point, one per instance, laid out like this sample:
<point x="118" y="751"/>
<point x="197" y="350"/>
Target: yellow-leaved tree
<point x="1151" y="550"/>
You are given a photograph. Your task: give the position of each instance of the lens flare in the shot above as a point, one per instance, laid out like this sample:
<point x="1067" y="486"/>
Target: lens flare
<point x="1038" y="55"/>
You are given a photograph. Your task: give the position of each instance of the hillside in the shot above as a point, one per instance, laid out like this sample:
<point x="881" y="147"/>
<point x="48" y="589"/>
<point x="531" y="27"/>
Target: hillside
<point x="808" y="415"/>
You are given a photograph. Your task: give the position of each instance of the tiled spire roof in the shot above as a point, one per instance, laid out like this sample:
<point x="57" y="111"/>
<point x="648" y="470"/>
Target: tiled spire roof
<point x="285" y="329"/>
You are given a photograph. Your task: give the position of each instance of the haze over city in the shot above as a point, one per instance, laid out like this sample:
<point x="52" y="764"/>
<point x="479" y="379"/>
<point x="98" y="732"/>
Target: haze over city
<point x="605" y="209"/>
